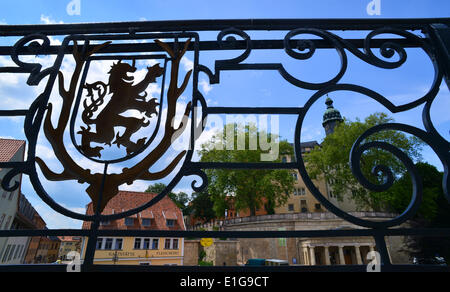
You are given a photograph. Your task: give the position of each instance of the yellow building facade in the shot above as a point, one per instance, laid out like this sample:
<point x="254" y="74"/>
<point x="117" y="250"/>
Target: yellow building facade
<point x="138" y="251"/>
<point x="164" y="215"/>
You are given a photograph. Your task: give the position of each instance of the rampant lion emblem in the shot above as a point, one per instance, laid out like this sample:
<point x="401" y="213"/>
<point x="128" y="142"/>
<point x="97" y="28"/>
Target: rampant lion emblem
<point x="125" y="96"/>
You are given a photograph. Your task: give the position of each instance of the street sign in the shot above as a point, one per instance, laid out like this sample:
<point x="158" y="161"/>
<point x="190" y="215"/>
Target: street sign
<point x="205" y="242"/>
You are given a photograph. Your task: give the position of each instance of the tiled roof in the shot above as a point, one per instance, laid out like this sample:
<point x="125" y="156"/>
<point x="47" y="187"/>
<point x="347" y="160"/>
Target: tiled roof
<point x="158" y="213"/>
<point x="9" y="147"/>
<point x="305" y="145"/>
<point x="69" y="238"/>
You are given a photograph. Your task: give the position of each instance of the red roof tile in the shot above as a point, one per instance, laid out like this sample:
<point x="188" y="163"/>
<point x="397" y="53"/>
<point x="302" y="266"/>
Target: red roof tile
<point x="170" y="215"/>
<point x="127" y="200"/>
<point x="147" y="214"/>
<point x="9" y="147"/>
<point x="69" y="238"/>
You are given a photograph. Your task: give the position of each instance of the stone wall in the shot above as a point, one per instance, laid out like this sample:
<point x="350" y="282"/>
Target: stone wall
<point x="293" y="249"/>
<point x="191" y="252"/>
<point x="222" y="253"/>
<point x="290" y="248"/>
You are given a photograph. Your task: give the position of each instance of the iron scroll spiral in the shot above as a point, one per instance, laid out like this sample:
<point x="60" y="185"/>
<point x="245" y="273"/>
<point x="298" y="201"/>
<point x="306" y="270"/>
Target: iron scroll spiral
<point x="359" y="148"/>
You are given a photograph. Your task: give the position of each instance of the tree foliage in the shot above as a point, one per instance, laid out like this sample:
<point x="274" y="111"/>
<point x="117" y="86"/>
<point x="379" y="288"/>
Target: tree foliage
<point x="434" y="211"/>
<point x="181" y="199"/>
<point x="202" y="207"/>
<point x="332" y="160"/>
<point x="246" y="189"/>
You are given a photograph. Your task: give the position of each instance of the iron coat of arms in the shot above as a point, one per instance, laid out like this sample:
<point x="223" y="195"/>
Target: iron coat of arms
<point x="95" y="114"/>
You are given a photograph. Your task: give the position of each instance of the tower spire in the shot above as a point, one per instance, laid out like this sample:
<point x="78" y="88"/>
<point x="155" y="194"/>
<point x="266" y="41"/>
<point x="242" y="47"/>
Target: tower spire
<point x="331" y="117"/>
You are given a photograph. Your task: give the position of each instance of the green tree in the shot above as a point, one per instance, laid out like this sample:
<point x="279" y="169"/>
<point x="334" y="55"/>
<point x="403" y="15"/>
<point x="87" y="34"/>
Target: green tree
<point x="201" y="207"/>
<point x="181" y="199"/>
<point x="434" y="211"/>
<point x="246" y="189"/>
<point x="331" y="159"/>
<point x="398" y="196"/>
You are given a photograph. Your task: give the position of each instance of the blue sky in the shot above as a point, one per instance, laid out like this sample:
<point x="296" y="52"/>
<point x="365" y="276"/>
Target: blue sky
<point x="243" y="88"/>
<point x="25" y="11"/>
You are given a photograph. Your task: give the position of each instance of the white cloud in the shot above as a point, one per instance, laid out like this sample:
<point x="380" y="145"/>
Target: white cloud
<point x="48" y="20"/>
<point x="206" y="87"/>
<point x="56" y="220"/>
<point x="187" y="63"/>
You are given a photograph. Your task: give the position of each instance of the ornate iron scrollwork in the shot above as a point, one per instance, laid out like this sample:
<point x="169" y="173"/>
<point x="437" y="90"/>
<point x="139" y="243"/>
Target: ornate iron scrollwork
<point x="97" y="113"/>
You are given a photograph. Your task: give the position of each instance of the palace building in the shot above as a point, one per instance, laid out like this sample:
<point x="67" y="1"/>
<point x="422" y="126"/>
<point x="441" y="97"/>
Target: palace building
<point x="164" y="215"/>
<point x="304" y="212"/>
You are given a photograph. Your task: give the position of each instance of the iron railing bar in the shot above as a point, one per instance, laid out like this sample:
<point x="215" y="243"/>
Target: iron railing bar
<point x="255" y="110"/>
<point x="433" y="232"/>
<point x="215" y="25"/>
<point x="226" y="269"/>
<point x="214" y="46"/>
<point x="92" y="240"/>
<point x="238" y="165"/>
<point x="380" y="243"/>
<point x="10" y="113"/>
<point x="13" y="164"/>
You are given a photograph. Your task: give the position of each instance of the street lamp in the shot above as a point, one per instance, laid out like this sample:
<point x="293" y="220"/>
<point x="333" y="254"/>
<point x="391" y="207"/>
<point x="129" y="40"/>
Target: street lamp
<point x="115" y="258"/>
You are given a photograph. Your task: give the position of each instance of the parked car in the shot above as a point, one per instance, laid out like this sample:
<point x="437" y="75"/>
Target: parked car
<point x="275" y="262"/>
<point x="256" y="262"/>
<point x="437" y="261"/>
<point x="267" y="262"/>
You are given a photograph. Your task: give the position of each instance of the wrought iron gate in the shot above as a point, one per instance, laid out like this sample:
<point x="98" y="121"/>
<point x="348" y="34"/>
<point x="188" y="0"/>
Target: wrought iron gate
<point x="135" y="41"/>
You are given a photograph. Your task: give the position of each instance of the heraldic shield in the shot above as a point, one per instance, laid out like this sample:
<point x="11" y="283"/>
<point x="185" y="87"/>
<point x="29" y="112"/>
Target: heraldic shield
<point x="117" y="109"/>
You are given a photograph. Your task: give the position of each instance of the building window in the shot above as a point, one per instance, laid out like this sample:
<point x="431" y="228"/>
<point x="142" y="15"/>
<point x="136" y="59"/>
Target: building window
<point x="11" y="253"/>
<point x="146" y="243"/>
<point x="17" y="251"/>
<point x="119" y="244"/>
<point x="318" y="206"/>
<point x="155" y="243"/>
<point x="1" y="220"/>
<point x="4" y="194"/>
<point x="300" y="191"/>
<point x="7" y="223"/>
<point x="6" y="253"/>
<point x="108" y="244"/>
<point x="295" y="176"/>
<point x="170" y="222"/>
<point x="175" y="243"/>
<point x="171" y="243"/>
<point x="11" y="195"/>
<point x="104" y="223"/>
<point x="284" y="159"/>
<point x="167" y="243"/>
<point x="137" y="243"/>
<point x="99" y="243"/>
<point x="303" y="206"/>
<point x="129" y="221"/>
<point x="146" y="222"/>
<point x="291" y="207"/>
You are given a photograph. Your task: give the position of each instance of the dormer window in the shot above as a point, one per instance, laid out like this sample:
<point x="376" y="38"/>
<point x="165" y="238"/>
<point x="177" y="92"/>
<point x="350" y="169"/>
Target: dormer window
<point x="146" y="222"/>
<point x="170" y="222"/>
<point x="129" y="221"/>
